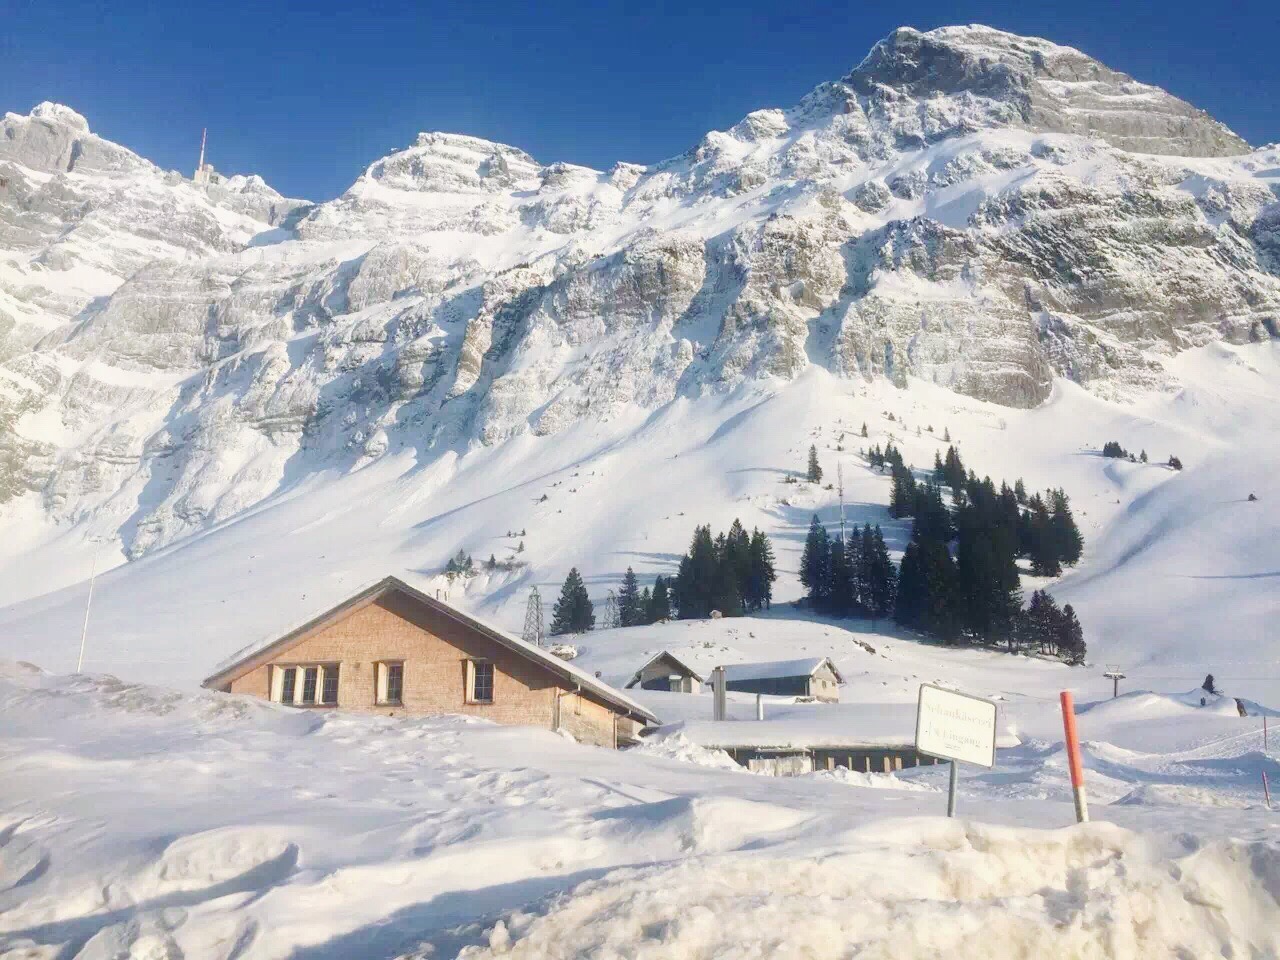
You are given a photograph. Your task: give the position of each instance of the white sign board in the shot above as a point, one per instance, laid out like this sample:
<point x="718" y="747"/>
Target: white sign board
<point x="956" y="726"/>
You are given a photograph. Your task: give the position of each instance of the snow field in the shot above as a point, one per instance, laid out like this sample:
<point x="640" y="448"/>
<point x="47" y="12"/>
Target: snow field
<point x="142" y="822"/>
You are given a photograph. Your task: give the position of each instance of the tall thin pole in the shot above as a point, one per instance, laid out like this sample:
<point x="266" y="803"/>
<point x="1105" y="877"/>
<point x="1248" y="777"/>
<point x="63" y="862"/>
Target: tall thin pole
<point x="84" y="630"/>
<point x="1073" y="756"/>
<point x="951" y="788"/>
<point x="840" y="485"/>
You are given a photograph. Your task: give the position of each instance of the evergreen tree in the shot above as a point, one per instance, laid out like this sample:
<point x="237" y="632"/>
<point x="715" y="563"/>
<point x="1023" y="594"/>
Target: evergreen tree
<point x="909" y="606"/>
<point x="491" y="563"/>
<point x="573" y="612"/>
<point x="815" y="470"/>
<point x="761" y="574"/>
<point x="737" y="557"/>
<point x="1039" y="623"/>
<point x="1175" y="462"/>
<point x="987" y="587"/>
<point x="1040" y="546"/>
<point x="629" y="609"/>
<point x="726" y="593"/>
<point x="815" y="564"/>
<point x="1020" y="492"/>
<point x="645" y="606"/>
<point x="940" y="616"/>
<point x="1143" y="456"/>
<point x="1071" y="636"/>
<point x="659" y="602"/>
<point x="840" y="597"/>
<point x="864" y="428"/>
<point x="902" y="493"/>
<point x="953" y="469"/>
<point x="697" y="577"/>
<point x="1067" y="541"/>
<point x="879" y="583"/>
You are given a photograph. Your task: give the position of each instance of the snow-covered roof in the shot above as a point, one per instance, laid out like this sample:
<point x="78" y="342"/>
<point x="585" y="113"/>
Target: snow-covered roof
<point x="778" y="669"/>
<point x="247" y="659"/>
<point x="837" y="726"/>
<point x="664" y="655"/>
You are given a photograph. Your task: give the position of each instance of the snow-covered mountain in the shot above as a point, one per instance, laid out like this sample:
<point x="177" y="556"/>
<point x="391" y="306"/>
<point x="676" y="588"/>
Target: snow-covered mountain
<point x="997" y="216"/>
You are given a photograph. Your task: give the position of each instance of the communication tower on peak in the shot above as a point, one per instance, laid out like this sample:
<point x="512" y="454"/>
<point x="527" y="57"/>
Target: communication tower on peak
<point x="204" y="171"/>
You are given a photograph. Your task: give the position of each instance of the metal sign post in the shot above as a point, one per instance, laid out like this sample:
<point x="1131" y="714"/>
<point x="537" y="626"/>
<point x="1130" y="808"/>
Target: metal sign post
<point x="956" y="727"/>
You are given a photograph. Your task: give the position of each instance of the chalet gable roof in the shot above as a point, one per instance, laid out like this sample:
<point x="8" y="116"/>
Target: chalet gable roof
<point x="252" y="657"/>
<point x="779" y="669"/>
<point x="664" y="655"/>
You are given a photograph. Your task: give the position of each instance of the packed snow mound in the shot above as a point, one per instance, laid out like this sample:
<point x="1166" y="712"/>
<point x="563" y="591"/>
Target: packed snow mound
<point x="678" y="747"/>
<point x="145" y="821"/>
<point x="917" y="890"/>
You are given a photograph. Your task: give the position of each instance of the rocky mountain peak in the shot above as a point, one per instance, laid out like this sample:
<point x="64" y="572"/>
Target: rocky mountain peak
<point x="60" y="114"/>
<point x="456" y="163"/>
<point x="1043" y="86"/>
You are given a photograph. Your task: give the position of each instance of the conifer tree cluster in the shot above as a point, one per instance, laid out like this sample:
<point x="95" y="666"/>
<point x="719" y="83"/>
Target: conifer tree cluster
<point x="460" y="565"/>
<point x="732" y="573"/>
<point x="972" y="594"/>
<point x="639" y="608"/>
<point x="574" y="612"/>
<point x="853" y="577"/>
<point x="1044" y="627"/>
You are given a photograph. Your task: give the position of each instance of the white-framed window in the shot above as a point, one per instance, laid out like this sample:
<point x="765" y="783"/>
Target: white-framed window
<point x="479" y="681"/>
<point x="390" y="679"/>
<point x="305" y="684"/>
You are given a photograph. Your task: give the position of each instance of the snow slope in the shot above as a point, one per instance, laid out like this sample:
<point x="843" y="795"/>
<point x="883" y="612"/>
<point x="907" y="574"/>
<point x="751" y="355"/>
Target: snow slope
<point x="629" y="491"/>
<point x="138" y="821"/>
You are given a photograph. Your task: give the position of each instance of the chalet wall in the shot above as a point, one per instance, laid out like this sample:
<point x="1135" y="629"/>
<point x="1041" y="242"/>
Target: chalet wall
<point x="657" y="676"/>
<point x="434" y="650"/>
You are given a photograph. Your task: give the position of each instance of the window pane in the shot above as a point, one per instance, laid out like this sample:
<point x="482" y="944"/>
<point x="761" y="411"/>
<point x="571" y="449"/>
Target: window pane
<point x="395" y="682"/>
<point x="286" y="688"/>
<point x="330" y="691"/>
<point x="309" y="677"/>
<point x="482" y="682"/>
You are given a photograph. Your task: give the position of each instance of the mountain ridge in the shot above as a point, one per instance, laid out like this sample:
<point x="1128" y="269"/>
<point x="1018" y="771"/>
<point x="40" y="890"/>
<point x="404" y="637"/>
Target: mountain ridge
<point x="952" y="225"/>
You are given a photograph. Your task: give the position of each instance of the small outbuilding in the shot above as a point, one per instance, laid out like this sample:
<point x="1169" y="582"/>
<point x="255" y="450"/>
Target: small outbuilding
<point x="392" y="649"/>
<point x="815" y="677"/>
<point x="666" y="672"/>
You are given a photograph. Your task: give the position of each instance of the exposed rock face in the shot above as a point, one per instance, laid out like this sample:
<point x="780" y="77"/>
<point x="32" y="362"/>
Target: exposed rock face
<point x="984" y="211"/>
<point x="1040" y="86"/>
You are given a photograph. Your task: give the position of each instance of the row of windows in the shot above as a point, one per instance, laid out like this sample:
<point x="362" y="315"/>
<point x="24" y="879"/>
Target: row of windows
<point x="303" y="683"/>
<point x="307" y="685"/>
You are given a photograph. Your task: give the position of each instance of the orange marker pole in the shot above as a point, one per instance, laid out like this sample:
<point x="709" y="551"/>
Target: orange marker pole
<point x="1266" y="789"/>
<point x="1073" y="756"/>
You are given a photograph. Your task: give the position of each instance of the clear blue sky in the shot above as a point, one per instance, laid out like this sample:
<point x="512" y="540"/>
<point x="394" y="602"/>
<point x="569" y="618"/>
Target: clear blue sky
<point x="308" y="98"/>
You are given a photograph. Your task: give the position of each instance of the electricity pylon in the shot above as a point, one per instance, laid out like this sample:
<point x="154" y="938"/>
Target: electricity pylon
<point x="533" y="630"/>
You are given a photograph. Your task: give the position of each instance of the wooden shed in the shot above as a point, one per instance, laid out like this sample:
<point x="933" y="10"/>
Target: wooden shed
<point x="667" y="672"/>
